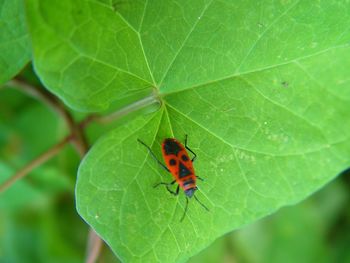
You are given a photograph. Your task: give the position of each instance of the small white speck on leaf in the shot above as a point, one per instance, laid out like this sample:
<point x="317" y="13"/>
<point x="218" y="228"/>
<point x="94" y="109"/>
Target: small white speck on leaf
<point x="314" y="44"/>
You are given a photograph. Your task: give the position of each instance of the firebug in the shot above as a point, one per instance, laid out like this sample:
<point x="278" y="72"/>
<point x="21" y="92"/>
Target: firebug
<point x="179" y="164"/>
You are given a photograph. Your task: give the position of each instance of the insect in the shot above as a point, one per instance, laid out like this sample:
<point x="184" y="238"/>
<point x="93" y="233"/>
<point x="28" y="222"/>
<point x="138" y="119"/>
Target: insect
<point x="179" y="164"/>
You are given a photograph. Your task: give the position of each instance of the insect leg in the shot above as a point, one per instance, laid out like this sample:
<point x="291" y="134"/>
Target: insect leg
<point x="195" y="155"/>
<point x="200" y="178"/>
<point x="167" y="187"/>
<point x="177" y="189"/>
<point x="186" y="206"/>
<point x="153" y="155"/>
<point x="158" y="184"/>
<point x="206" y="208"/>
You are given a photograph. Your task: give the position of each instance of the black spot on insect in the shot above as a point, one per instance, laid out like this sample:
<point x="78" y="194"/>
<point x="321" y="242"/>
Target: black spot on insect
<point x="172" y="162"/>
<point x="183" y="170"/>
<point x="184" y="158"/>
<point x="188" y="182"/>
<point x="171" y="147"/>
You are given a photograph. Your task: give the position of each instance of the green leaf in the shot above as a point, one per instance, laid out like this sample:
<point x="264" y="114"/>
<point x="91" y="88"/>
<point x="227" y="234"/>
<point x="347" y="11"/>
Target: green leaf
<point x="91" y="58"/>
<point x="306" y="232"/>
<point x="260" y="88"/>
<point x="14" y="42"/>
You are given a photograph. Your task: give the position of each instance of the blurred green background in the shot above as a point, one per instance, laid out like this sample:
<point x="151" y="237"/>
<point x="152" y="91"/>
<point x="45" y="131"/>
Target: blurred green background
<point x="39" y="223"/>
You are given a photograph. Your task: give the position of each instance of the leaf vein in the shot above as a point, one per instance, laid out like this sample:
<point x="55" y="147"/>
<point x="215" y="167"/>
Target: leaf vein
<point x="183" y="43"/>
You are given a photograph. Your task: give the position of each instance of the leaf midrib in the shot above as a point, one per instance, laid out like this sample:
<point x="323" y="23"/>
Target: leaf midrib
<point x="250" y="150"/>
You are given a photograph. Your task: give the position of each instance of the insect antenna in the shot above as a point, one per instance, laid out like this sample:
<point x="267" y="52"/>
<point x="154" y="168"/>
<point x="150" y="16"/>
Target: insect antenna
<point x="206" y="208"/>
<point x="183" y="217"/>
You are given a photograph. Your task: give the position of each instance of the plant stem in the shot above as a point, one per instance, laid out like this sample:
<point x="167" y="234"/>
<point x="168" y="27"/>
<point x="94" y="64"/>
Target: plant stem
<point x="42" y="95"/>
<point x="94" y="246"/>
<point x="128" y="109"/>
<point x="56" y="105"/>
<point x="35" y="163"/>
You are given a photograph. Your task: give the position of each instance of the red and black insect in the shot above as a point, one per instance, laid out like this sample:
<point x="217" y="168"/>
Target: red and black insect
<point x="179" y="164"/>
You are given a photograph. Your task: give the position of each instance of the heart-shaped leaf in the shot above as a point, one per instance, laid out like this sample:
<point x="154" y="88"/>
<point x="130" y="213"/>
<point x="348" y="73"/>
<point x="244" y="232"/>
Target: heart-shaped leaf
<point x="14" y="43"/>
<point x="260" y="88"/>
